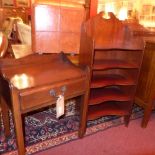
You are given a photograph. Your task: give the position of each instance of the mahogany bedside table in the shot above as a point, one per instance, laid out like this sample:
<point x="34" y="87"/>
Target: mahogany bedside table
<point x="34" y="82"/>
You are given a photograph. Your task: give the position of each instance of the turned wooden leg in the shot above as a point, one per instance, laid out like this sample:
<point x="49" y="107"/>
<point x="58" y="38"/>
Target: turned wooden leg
<point x="126" y="120"/>
<point x="18" y="122"/>
<point x="147" y="114"/>
<point x="0" y="118"/>
<point x="83" y="115"/>
<point x="5" y="116"/>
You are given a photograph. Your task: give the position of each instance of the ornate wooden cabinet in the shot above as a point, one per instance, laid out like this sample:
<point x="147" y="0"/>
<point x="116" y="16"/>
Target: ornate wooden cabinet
<point x="114" y="56"/>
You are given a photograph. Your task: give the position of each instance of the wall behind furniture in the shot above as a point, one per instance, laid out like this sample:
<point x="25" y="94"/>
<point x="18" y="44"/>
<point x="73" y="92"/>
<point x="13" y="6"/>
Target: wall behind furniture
<point x="56" y="26"/>
<point x="14" y="8"/>
<point x="141" y="10"/>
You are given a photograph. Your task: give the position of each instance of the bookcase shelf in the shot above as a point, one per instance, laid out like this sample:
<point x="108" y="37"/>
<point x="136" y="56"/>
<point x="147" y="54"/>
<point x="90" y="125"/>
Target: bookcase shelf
<point x="107" y="64"/>
<point x="111" y="79"/>
<point x="108" y="108"/>
<point x="112" y="93"/>
<point x="114" y="57"/>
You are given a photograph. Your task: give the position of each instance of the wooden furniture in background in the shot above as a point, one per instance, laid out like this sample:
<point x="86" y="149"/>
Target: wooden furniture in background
<point x="15" y="3"/>
<point x="145" y="94"/>
<point x="93" y="8"/>
<point x="56" y="27"/>
<point x="114" y="56"/>
<point x="3" y="45"/>
<point x="3" y="50"/>
<point x="34" y="82"/>
<point x="21" y="50"/>
<point x="6" y="12"/>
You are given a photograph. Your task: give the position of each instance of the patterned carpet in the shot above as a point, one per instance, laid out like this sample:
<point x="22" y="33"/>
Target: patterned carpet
<point x="43" y="130"/>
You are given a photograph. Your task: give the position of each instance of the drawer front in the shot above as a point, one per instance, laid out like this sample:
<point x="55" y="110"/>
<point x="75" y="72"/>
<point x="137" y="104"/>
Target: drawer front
<point x="47" y="95"/>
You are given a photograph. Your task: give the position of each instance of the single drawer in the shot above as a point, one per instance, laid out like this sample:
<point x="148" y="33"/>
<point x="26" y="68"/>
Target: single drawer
<point x="46" y="95"/>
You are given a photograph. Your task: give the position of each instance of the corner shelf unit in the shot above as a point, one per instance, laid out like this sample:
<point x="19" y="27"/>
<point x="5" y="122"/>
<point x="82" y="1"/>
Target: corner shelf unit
<point x="114" y="57"/>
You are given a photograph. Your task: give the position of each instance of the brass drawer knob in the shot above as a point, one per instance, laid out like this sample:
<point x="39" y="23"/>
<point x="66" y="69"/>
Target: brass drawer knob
<point x="53" y="92"/>
<point x="63" y="89"/>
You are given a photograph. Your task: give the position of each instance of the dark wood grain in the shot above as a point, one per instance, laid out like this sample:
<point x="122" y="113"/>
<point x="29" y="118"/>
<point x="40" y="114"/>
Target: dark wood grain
<point x="111" y="79"/>
<point x="26" y="84"/>
<point x="107" y="64"/>
<point x="145" y="88"/>
<point x="145" y="93"/>
<point x="111" y="93"/>
<point x="109" y="108"/>
<point x="114" y="56"/>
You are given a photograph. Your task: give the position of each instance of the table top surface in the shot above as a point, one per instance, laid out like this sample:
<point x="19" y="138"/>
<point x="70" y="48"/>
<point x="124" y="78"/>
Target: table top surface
<point x="39" y="70"/>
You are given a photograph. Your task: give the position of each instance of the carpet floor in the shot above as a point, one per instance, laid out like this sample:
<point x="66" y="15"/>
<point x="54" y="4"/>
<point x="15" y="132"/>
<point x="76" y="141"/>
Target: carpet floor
<point x="119" y="140"/>
<point x="43" y="131"/>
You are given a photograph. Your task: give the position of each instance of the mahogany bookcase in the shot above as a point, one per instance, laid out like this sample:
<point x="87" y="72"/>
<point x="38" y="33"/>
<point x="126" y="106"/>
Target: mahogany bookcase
<point x="114" y="57"/>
